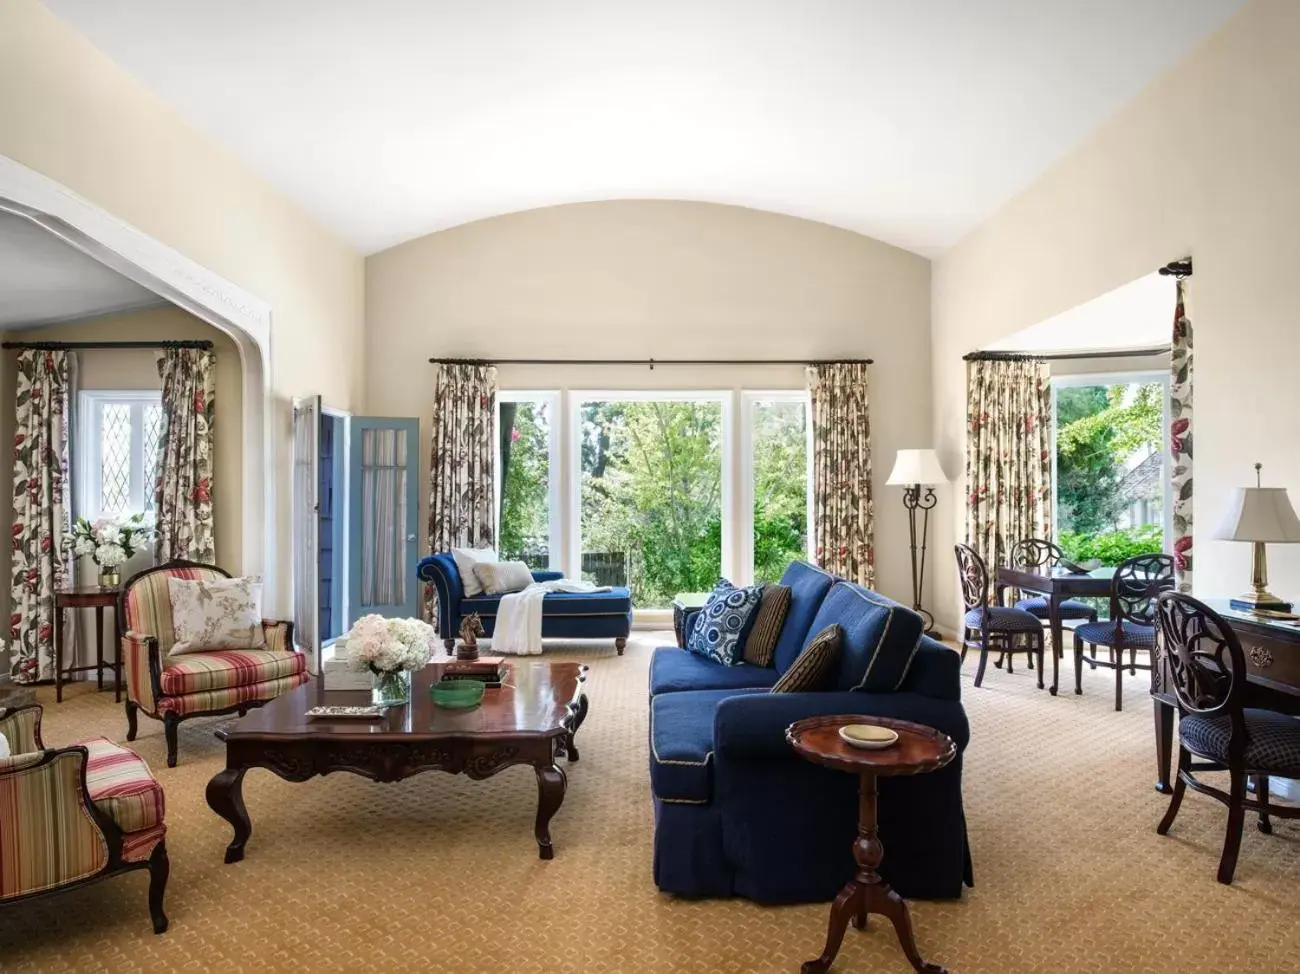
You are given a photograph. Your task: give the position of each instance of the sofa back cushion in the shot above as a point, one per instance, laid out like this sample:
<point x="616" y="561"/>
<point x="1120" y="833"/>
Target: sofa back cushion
<point x="879" y="638"/>
<point x="148" y="601"/>
<point x="808" y="586"/>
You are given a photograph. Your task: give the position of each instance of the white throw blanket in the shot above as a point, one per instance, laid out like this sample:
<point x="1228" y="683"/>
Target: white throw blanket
<point x="519" y="616"/>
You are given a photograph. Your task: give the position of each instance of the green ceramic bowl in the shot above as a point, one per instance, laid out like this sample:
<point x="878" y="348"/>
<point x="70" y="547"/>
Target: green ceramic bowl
<point x="458" y="694"/>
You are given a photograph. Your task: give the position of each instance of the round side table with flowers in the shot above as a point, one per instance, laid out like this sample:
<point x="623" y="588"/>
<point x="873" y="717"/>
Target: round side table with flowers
<point x="389" y="649"/>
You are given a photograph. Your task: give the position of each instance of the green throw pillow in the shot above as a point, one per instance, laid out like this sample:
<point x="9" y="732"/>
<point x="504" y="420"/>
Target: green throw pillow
<point x="815" y="668"/>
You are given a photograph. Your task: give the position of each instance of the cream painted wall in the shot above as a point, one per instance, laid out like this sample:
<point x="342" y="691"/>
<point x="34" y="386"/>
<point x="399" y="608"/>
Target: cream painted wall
<point x="1202" y="162"/>
<point x="639" y="279"/>
<point x="73" y="115"/>
<point x="136" y="369"/>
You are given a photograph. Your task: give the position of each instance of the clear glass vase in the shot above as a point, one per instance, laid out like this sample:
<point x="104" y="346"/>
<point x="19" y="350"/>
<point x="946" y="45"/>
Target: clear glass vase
<point x="390" y="689"/>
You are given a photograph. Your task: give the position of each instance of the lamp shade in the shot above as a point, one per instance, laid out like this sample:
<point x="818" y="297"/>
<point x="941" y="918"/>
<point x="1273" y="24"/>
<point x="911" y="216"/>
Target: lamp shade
<point x="1259" y="514"/>
<point x="917" y="467"/>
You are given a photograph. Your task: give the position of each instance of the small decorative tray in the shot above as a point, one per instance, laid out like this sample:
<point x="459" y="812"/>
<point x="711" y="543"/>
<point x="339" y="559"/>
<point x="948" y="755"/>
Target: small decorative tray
<point x="368" y="712"/>
<point x="870" y="737"/>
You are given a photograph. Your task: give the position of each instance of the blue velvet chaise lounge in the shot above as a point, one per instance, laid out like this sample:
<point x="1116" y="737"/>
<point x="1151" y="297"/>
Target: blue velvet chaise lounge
<point x="565" y="615"/>
<point x="737" y="813"/>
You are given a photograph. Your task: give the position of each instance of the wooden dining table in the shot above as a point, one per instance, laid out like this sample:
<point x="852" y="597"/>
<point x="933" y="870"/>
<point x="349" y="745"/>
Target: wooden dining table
<point x="1057" y="584"/>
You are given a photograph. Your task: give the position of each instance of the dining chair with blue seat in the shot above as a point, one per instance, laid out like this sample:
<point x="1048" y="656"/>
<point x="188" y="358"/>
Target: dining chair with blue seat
<point x="984" y="626"/>
<point x="1134" y="588"/>
<point x="1207" y="670"/>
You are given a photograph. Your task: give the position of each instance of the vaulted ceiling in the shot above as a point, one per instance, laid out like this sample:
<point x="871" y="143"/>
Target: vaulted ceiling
<point x="388" y="119"/>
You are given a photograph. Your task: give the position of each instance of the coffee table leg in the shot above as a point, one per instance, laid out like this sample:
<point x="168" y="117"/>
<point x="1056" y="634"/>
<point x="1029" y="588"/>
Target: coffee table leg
<point x="225" y="796"/>
<point x="578" y="717"/>
<point x="551" y="782"/>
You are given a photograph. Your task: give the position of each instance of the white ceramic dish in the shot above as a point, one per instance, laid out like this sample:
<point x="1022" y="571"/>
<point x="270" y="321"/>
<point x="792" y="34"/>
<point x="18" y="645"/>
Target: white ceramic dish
<point x="869" y="737"/>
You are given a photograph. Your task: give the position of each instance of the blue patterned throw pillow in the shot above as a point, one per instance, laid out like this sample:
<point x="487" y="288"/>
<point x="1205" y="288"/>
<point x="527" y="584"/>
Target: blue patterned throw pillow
<point x="719" y="630"/>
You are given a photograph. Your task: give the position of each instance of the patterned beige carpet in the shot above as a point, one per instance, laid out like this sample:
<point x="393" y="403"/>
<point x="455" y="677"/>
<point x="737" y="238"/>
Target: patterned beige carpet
<point x="440" y="873"/>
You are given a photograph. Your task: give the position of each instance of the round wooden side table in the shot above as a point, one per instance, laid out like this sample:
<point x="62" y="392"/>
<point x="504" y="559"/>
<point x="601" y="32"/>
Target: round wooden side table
<point x="919" y="749"/>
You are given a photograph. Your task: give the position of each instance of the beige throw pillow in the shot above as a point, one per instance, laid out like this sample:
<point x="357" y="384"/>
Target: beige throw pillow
<point x="219" y="613"/>
<point x="466" y="559"/>
<point x="500" y="577"/>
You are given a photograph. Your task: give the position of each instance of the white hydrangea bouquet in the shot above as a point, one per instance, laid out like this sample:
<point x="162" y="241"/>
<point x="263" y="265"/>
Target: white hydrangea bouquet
<point x="389" y="649"/>
<point x="109" y="542"/>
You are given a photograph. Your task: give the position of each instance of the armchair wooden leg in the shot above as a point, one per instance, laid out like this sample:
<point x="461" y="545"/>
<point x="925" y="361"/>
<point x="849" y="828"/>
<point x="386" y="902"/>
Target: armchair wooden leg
<point x="1078" y="665"/>
<point x="159" y="869"/>
<point x="131" y="712"/>
<point x="1040" y="662"/>
<point x="1236" y="819"/>
<point x="171" y="728"/>
<point x="1180" y="788"/>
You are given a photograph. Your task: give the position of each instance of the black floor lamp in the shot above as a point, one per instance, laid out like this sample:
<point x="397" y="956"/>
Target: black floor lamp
<point x="917" y="471"/>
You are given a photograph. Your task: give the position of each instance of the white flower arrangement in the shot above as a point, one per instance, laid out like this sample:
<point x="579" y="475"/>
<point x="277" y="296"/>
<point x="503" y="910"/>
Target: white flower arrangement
<point x="109" y="541"/>
<point x="388" y="645"/>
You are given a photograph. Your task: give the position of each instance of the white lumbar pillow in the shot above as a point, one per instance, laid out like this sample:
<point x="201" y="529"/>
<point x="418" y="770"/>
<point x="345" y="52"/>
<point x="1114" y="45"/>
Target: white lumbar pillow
<point x="216" y="613"/>
<point x="466" y="559"/>
<point x="501" y="577"/>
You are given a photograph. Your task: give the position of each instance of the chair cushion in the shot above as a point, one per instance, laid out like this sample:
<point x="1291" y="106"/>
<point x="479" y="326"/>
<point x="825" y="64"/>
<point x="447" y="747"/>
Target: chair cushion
<point x="1003" y="619"/>
<point x="808" y="586"/>
<point x="196" y="672"/>
<point x="221" y="613"/>
<point x="816" y="666"/>
<point x="1273" y="744"/>
<point x="228" y="698"/>
<point x="760" y="647"/>
<point x="720" y="629"/>
<point x="878" y="641"/>
<point x="1069" y="609"/>
<point x="121" y="785"/>
<point x="673" y="670"/>
<point x="681" y="744"/>
<point x="1103" y="634"/>
<point x="148" y="604"/>
<point x="616" y="602"/>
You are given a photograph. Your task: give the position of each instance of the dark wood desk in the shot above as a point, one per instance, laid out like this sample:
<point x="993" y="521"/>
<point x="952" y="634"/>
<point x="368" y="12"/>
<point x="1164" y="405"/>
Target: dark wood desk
<point x="86" y="597"/>
<point x="1058" y="585"/>
<point x="1272" y="650"/>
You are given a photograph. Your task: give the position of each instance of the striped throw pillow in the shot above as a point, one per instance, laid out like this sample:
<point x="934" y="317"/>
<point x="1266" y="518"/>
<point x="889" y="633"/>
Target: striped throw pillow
<point x="816" y="665"/>
<point x="760" y="646"/>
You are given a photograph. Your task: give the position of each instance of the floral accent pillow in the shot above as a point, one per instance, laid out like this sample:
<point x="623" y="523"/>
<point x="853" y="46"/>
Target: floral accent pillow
<point x="217" y="613"/>
<point x="721" y="627"/>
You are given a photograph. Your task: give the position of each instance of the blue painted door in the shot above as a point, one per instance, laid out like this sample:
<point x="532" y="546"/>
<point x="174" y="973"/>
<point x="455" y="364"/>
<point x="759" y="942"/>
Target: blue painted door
<point x="383" y="506"/>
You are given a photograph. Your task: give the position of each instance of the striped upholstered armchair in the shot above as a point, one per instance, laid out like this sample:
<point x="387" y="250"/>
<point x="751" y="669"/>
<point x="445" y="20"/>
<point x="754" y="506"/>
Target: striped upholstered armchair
<point x="73" y="815"/>
<point x="175" y="688"/>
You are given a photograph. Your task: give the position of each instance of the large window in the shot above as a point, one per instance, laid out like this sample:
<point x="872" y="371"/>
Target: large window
<point x="119" y="451"/>
<point x="1112" y="478"/>
<point x="651" y="505"/>
<point x="777" y="446"/>
<point x="528" y="480"/>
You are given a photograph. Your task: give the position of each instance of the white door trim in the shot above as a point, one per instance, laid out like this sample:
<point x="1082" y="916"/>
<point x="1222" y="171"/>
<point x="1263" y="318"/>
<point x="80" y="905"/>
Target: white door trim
<point x="223" y="304"/>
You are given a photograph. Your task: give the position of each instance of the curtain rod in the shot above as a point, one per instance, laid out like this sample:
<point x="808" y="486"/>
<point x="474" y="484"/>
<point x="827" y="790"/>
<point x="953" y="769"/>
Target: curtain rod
<point x="1030" y="356"/>
<point x="651" y="363"/>
<point x="58" y="346"/>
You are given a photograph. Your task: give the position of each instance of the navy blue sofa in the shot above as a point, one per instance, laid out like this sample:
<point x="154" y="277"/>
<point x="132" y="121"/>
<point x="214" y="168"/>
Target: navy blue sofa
<point x="565" y="615"/>
<point x="737" y="813"/>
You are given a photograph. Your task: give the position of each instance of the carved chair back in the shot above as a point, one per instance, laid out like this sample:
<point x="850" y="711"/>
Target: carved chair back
<point x="1135" y="586"/>
<point x="1205" y="662"/>
<point x="974" y="577"/>
<point x="1036" y="553"/>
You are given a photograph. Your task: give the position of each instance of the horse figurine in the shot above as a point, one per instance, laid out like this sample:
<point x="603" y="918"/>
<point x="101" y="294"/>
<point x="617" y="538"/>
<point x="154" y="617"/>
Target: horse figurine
<point x="471" y="627"/>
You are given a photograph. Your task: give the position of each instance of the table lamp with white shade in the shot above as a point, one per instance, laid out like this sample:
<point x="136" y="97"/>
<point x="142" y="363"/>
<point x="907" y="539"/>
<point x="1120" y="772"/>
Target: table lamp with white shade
<point x="1259" y="515"/>
<point x="914" y="469"/>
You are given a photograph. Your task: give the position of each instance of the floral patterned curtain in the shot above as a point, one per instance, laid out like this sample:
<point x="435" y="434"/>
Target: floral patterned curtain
<point x="1180" y="438"/>
<point x="1008" y="455"/>
<point x="183" y="492"/>
<point x="40" y="559"/>
<point x="843" y="511"/>
<point x="462" y="475"/>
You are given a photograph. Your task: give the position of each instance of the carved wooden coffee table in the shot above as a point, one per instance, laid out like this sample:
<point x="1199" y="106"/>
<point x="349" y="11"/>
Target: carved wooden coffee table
<point x="530" y="719"/>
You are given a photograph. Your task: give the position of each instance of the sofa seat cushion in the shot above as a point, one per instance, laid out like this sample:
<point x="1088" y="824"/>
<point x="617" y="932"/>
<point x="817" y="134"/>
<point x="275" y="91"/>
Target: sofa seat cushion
<point x="879" y="637"/>
<point x="122" y="786"/>
<point x="681" y="744"/>
<point x="616" y="602"/>
<point x="673" y="670"/>
<point x="228" y="698"/>
<point x="196" y="672"/>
